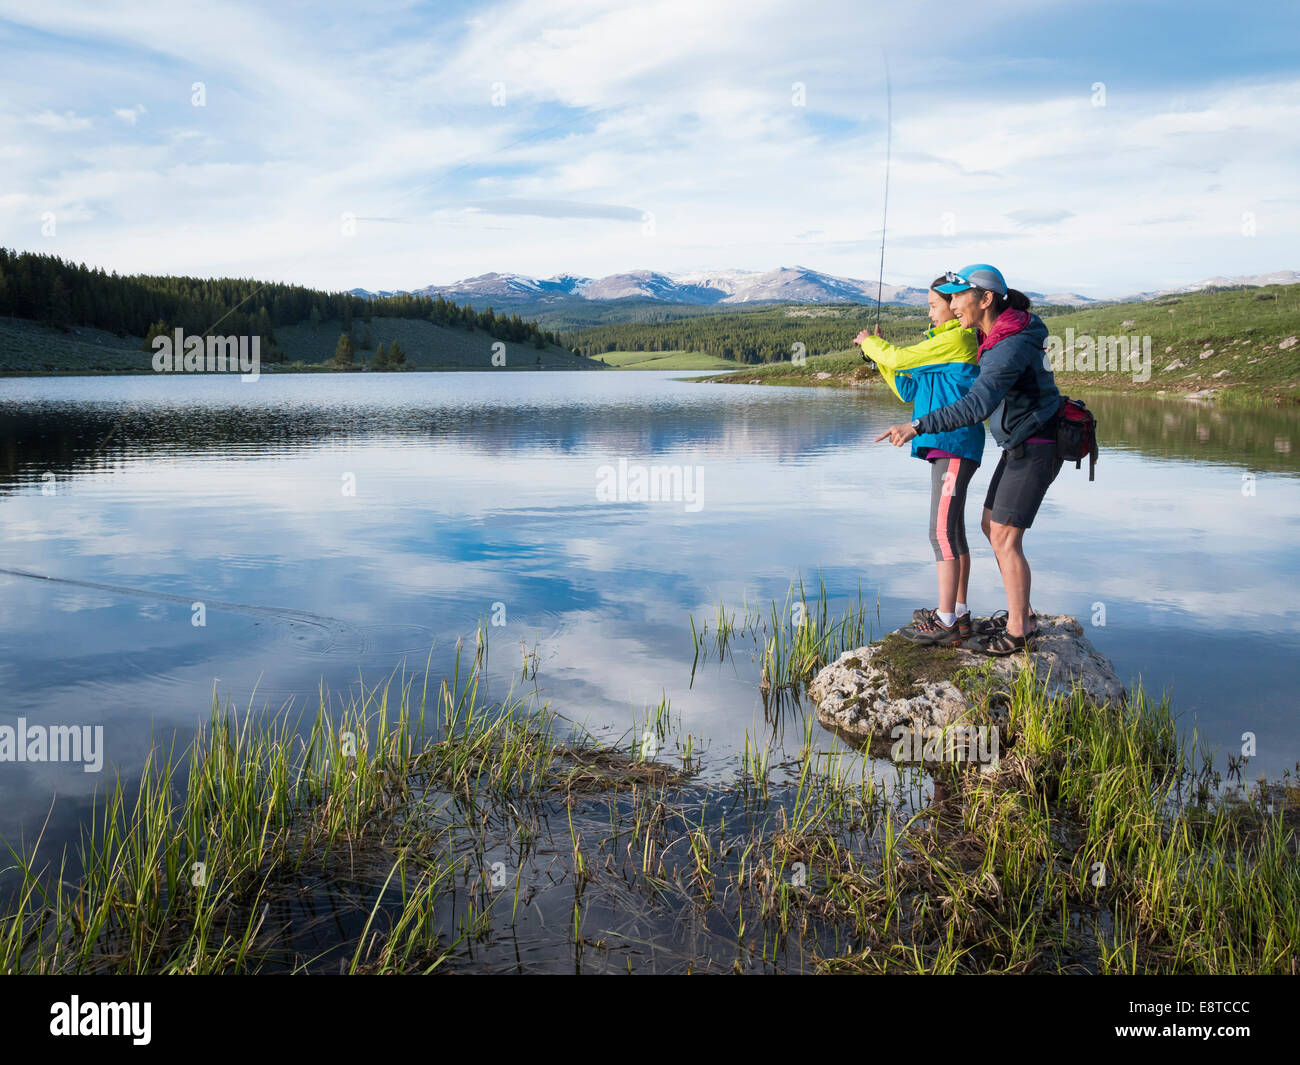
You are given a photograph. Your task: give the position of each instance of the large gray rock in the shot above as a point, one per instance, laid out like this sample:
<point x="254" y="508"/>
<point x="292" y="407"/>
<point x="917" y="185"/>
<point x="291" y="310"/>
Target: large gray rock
<point x="867" y="693"/>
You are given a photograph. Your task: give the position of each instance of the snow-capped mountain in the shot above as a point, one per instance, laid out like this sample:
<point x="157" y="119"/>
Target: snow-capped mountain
<point x="647" y="284"/>
<point x="366" y="294"/>
<point x="796" y="284"/>
<point x="787" y="284"/>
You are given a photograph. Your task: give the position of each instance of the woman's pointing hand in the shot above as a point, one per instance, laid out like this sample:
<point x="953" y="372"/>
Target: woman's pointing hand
<point x="898" y="434"/>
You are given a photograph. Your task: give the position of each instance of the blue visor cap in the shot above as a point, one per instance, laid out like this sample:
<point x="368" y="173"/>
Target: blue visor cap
<point x="978" y="275"/>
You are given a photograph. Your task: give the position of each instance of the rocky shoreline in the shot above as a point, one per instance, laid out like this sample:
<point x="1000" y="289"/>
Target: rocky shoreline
<point x="869" y="693"/>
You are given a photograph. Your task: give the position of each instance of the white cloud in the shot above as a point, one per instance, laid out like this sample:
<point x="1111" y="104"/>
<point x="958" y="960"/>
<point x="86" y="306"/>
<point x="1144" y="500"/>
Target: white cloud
<point x="68" y="122"/>
<point x="672" y="107"/>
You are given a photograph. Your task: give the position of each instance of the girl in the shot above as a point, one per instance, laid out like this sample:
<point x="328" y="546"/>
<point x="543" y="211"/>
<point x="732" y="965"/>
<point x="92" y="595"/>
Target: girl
<point x="1016" y="391"/>
<point x="934" y="373"/>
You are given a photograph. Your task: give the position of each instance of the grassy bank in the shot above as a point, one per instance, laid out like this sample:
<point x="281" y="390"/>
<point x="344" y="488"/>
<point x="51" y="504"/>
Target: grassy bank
<point x="424" y="830"/>
<point x="664" y="360"/>
<point x="838" y="369"/>
<point x="1235" y="344"/>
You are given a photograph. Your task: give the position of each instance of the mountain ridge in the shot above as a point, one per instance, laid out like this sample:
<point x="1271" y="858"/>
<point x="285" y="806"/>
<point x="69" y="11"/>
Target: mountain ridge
<point x="797" y="284"/>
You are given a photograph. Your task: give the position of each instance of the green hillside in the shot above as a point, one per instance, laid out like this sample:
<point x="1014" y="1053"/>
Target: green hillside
<point x="1239" y="342"/>
<point x="27" y="347"/>
<point x="1235" y="340"/>
<point x="30" y="348"/>
<point x="66" y="317"/>
<point x="574" y="313"/>
<point x="427" y="346"/>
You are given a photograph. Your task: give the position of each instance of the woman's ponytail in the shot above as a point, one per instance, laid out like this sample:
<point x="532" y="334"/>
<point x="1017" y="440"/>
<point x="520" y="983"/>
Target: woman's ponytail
<point x="1015" y="299"/>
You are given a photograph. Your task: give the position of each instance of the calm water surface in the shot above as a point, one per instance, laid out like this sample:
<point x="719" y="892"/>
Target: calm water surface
<point x="143" y="496"/>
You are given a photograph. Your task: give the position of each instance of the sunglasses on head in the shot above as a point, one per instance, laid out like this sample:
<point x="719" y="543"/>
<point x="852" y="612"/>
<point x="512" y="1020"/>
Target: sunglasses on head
<point x="957" y="279"/>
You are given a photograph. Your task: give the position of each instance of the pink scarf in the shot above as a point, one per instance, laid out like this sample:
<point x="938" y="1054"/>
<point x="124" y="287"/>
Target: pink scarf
<point x="1009" y="322"/>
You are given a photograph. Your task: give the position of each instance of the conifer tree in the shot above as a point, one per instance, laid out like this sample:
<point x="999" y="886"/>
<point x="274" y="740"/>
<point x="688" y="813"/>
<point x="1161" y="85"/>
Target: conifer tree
<point x="344" y="353"/>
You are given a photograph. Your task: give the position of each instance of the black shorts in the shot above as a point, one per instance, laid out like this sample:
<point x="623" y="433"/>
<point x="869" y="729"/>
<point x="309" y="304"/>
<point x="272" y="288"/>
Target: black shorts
<point x="1019" y="484"/>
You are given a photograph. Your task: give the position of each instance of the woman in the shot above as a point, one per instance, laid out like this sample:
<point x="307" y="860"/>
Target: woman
<point x="932" y="374"/>
<point x="1017" y="392"/>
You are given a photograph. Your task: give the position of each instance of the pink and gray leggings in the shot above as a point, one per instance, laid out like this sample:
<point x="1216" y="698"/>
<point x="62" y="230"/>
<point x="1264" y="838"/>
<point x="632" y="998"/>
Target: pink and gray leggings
<point x="949" y="477"/>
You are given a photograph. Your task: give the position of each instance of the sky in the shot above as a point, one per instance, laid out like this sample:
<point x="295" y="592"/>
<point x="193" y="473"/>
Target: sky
<point x="1100" y="148"/>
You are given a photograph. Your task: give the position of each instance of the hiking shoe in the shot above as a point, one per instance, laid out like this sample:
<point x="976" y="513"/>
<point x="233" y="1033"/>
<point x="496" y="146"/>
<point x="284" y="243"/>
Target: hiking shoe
<point x="991" y="626"/>
<point x="922" y="616"/>
<point x="1002" y="643"/>
<point x="928" y="613"/>
<point x="934" y="633"/>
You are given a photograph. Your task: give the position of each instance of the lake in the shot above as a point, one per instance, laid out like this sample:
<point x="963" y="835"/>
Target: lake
<point x="336" y="529"/>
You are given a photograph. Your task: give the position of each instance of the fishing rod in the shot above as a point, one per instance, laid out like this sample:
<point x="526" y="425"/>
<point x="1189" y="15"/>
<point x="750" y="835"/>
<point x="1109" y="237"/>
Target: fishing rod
<point x="889" y="145"/>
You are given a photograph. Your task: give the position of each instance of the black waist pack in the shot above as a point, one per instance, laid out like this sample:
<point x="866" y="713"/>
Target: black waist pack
<point x="1076" y="435"/>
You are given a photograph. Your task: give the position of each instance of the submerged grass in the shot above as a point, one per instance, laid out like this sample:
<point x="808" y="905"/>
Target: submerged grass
<point x="484" y="837"/>
<point x="214" y="862"/>
<point x="793" y="640"/>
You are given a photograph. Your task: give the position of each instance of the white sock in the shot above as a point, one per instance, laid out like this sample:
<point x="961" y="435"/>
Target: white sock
<point x="962" y="608"/>
<point x="947" y="619"/>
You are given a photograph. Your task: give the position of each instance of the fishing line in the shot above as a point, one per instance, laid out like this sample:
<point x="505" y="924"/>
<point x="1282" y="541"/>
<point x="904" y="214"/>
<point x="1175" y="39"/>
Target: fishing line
<point x="332" y="626"/>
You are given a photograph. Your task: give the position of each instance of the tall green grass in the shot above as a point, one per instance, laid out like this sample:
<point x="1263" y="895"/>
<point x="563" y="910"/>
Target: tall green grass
<point x="793" y="639"/>
<point x="363" y="841"/>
